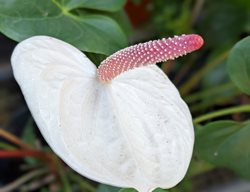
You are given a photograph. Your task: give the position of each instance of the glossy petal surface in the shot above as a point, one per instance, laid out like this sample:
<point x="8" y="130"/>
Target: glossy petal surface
<point x="135" y="131"/>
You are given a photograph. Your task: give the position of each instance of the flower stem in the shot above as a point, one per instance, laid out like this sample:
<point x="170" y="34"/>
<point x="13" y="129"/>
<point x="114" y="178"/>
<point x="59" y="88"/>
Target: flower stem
<point x="24" y="153"/>
<point x="231" y="110"/>
<point x="13" y="139"/>
<point x="6" y="146"/>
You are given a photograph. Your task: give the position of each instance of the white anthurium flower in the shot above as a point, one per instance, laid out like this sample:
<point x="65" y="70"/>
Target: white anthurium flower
<point x="127" y="129"/>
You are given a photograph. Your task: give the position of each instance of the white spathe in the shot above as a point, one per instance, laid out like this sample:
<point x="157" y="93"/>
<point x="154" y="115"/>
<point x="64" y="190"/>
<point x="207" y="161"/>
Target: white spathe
<point x="135" y="131"/>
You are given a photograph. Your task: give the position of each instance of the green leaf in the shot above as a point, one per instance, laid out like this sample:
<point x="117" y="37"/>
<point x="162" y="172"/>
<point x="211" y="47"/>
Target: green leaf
<point x="104" y="5"/>
<point x="128" y="190"/>
<point x="239" y="65"/>
<point x="134" y="190"/>
<point x="89" y="32"/>
<point x="107" y="188"/>
<point x="160" y="190"/>
<point x="225" y="144"/>
<point x="123" y="20"/>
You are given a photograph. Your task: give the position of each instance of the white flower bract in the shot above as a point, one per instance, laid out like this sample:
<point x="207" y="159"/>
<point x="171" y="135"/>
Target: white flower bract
<point x="135" y="131"/>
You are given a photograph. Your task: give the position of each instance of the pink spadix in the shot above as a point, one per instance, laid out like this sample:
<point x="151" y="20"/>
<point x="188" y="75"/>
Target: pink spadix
<point x="147" y="53"/>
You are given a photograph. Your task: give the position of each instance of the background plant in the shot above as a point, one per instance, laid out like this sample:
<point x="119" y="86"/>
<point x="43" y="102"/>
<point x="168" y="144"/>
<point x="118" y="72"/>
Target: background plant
<point x="215" y="82"/>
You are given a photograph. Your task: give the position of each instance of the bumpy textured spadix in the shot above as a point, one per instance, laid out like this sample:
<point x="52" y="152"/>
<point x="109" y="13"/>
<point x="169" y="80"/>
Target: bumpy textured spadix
<point x="147" y="53"/>
<point x="128" y="129"/>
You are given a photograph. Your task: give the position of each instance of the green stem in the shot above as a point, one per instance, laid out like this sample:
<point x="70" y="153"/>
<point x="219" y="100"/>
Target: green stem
<point x="186" y="87"/>
<point x="13" y="139"/>
<point x="243" y="108"/>
<point x="85" y="186"/>
<point x="6" y="146"/>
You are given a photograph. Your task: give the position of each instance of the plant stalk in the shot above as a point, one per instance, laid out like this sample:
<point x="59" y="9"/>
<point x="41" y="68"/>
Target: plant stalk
<point x="237" y="109"/>
<point x="13" y="139"/>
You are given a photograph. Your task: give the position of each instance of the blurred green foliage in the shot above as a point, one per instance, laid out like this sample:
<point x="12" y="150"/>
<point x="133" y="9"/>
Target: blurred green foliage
<point x="225" y="144"/>
<point x="68" y="20"/>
